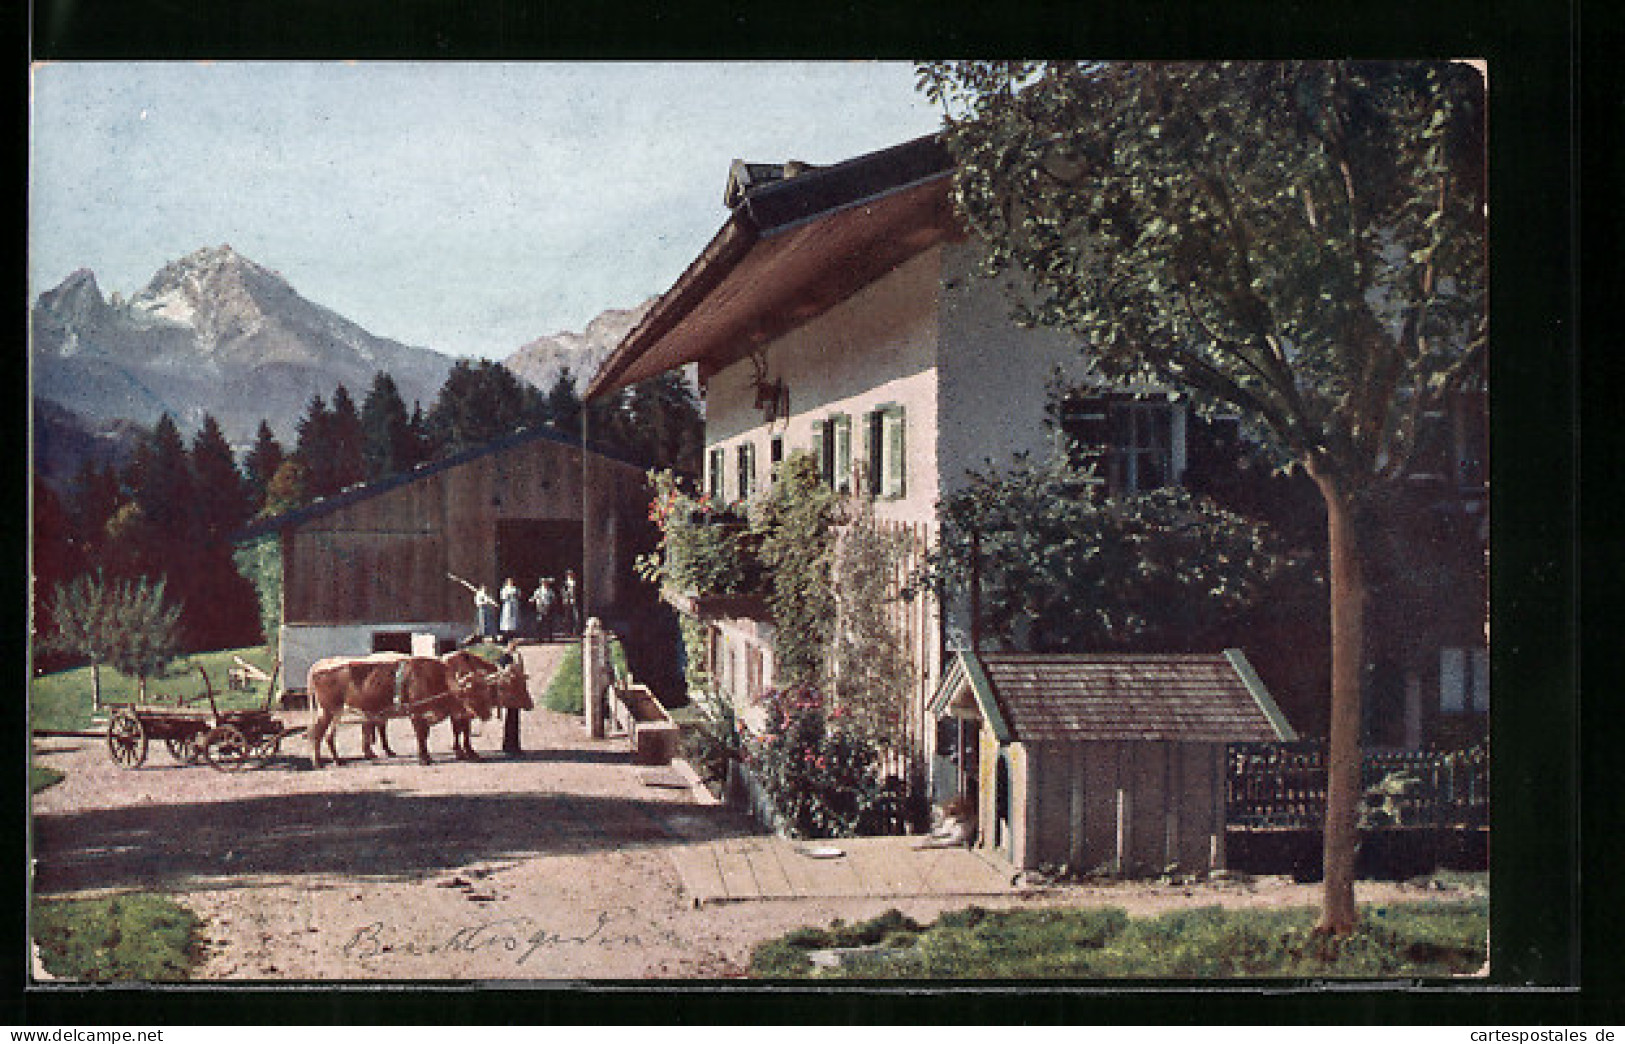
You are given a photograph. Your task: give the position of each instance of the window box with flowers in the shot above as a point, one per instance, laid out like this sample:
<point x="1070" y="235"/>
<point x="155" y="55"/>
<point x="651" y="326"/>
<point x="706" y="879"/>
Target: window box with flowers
<point x="708" y="561"/>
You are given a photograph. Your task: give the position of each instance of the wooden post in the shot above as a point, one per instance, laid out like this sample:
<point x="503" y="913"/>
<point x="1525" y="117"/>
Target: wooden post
<point x="1122" y="856"/>
<point x="594" y="677"/>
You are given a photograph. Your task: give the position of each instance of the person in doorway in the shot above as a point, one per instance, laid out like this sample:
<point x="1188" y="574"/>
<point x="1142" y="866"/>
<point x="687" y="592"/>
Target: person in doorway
<point x="544" y="599"/>
<point x="509" y="625"/>
<point x="570" y="603"/>
<point x="485" y="614"/>
<point x="510" y="722"/>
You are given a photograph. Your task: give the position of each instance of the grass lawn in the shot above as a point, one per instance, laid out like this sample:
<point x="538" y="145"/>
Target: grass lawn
<point x="42" y="776"/>
<point x="62" y="700"/>
<point x="564" y="694"/>
<point x="1426" y="939"/>
<point x="124" y="938"/>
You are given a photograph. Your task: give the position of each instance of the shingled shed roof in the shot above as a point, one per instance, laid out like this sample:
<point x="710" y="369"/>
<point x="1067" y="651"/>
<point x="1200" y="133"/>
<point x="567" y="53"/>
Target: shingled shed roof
<point x="1052" y="697"/>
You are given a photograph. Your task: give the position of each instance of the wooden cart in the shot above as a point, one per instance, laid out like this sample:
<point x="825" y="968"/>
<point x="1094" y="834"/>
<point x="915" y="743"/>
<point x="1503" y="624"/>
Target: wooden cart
<point x="228" y="740"/>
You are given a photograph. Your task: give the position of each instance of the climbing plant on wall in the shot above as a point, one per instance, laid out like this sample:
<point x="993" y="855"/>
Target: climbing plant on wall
<point x="795" y="524"/>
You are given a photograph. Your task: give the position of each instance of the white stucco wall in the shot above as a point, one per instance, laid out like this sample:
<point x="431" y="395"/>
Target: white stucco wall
<point x="995" y="377"/>
<point x="303" y="644"/>
<point x="878" y="347"/>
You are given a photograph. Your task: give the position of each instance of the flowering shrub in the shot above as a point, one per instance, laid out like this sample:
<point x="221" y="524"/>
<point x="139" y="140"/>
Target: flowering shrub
<point x="820" y="769"/>
<point x="705" y="549"/>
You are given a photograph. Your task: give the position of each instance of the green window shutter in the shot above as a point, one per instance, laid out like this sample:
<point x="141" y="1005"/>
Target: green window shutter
<point x="842" y="453"/>
<point x="743" y="462"/>
<point x="717" y="461"/>
<point x="896" y="473"/>
<point x="872" y="455"/>
<point x="822" y="446"/>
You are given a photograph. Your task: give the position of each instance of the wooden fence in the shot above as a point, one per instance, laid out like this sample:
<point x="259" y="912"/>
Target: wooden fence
<point x="1278" y="785"/>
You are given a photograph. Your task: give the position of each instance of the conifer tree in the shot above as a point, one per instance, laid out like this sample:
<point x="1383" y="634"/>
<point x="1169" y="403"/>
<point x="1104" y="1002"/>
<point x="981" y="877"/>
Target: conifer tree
<point x="262" y="462"/>
<point x="221" y="495"/>
<point x="348" y="441"/>
<point x="386" y="429"/>
<point x="315" y="447"/>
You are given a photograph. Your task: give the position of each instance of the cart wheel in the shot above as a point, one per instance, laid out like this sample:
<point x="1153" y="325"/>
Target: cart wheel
<point x="126" y="740"/>
<point x="184" y="749"/>
<point x="225" y="748"/>
<point x="265" y="748"/>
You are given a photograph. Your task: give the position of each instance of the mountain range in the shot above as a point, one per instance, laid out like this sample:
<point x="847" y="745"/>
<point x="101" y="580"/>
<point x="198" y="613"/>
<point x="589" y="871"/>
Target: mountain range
<point x="211" y="333"/>
<point x="541" y="361"/>
<point x="216" y="333"/>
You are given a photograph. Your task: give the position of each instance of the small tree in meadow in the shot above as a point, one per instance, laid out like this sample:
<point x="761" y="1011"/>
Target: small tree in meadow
<point x="127" y="624"/>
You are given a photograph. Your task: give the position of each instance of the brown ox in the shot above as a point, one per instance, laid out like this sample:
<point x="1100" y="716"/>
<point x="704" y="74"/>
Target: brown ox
<point x="384" y="685"/>
<point x="504" y="686"/>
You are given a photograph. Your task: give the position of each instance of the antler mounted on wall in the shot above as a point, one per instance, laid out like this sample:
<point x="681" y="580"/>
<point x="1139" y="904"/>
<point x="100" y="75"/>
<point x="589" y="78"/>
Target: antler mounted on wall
<point x="772" y="397"/>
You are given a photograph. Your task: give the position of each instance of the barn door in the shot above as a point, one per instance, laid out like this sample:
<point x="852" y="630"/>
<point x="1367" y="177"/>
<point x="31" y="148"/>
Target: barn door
<point x="528" y="549"/>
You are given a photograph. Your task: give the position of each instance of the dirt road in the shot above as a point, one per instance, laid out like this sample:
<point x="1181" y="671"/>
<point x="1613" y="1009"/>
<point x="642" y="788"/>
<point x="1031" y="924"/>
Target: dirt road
<point x="550" y="865"/>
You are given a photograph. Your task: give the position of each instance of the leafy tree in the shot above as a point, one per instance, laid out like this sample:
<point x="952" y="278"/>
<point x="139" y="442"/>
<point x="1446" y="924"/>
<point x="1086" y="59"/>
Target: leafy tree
<point x="389" y="442"/>
<point x="261" y="463"/>
<point x="1302" y="242"/>
<point x="1057" y="568"/>
<point x="127" y="624"/>
<point x="289" y="488"/>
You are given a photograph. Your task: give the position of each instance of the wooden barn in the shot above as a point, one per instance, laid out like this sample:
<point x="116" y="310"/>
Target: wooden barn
<point x="365" y="569"/>
<point x="1113" y="762"/>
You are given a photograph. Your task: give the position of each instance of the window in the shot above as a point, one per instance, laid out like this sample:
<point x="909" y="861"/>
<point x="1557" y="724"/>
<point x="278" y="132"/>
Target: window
<point x="834" y="437"/>
<point x="745" y="458"/>
<point x="775" y="453"/>
<point x="716" y="462"/>
<point x="1129" y="440"/>
<point x="1464" y="680"/>
<point x="887" y="452"/>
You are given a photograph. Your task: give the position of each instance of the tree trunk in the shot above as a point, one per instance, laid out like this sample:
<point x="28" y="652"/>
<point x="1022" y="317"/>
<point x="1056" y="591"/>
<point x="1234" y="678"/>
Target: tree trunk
<point x="1343" y="793"/>
<point x="95" y="686"/>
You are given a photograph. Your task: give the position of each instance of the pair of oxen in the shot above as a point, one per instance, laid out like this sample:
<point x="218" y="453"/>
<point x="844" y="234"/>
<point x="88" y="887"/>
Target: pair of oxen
<point x="458" y="687"/>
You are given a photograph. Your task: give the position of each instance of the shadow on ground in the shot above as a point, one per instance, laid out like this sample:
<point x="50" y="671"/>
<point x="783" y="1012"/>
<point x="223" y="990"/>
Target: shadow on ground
<point x="377" y="835"/>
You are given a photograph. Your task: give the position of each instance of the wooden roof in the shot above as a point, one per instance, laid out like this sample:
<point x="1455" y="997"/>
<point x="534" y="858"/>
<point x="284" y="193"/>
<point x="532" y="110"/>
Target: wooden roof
<point x="792" y="249"/>
<point x="322" y="506"/>
<point x="1054" y="697"/>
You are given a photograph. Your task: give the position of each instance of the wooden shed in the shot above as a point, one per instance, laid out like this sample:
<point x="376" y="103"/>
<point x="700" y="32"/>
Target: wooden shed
<point x="1099" y="762"/>
<point x="365" y="569"/>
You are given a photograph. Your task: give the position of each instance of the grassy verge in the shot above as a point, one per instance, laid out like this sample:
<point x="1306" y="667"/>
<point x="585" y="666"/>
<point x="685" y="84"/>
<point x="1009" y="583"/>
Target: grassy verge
<point x="125" y="938"/>
<point x="564" y="694"/>
<point x="62" y="700"/>
<point x="42" y="776"/>
<point x="1402" y="940"/>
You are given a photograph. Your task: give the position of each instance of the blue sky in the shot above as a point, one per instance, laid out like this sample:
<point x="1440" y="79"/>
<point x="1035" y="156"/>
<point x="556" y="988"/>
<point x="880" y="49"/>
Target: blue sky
<point x="463" y="207"/>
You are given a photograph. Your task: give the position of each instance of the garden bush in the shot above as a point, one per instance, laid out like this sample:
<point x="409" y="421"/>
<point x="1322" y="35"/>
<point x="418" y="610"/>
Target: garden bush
<point x="820" y="769"/>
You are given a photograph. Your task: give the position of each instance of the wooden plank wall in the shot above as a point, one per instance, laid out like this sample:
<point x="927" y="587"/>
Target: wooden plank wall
<point x="385" y="558"/>
<point x="1172" y="808"/>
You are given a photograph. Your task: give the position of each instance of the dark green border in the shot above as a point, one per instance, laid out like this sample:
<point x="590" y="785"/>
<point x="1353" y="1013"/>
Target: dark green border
<point x="1530" y="44"/>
